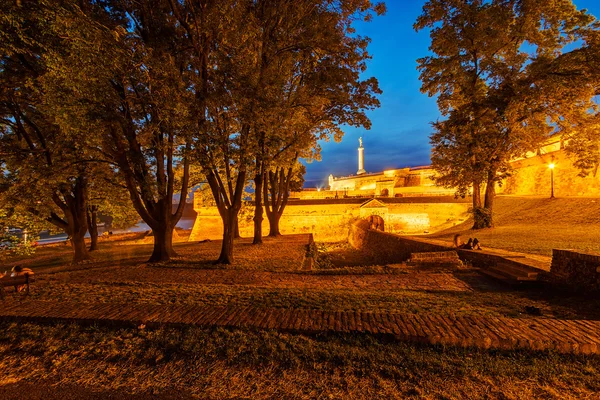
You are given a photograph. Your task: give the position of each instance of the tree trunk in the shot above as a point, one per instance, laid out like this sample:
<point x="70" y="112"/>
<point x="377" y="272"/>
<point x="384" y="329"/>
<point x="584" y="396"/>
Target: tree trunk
<point x="277" y="184"/>
<point x="258" y="208"/>
<point x="236" y="230"/>
<point x="80" y="251"/>
<point x="229" y="219"/>
<point x="274" y="224"/>
<point x="478" y="219"/>
<point x="75" y="208"/>
<point x="490" y="195"/>
<point x="92" y="220"/>
<point x="476" y="195"/>
<point x="163" y="243"/>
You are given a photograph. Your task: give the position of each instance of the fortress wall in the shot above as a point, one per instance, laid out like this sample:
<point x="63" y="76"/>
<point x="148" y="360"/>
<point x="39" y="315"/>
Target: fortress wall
<point x="532" y="177"/>
<point x="331" y="222"/>
<point x="330" y="194"/>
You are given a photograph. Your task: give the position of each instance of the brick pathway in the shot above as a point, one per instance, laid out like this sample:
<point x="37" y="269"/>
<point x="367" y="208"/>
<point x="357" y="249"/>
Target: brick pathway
<point x="567" y="336"/>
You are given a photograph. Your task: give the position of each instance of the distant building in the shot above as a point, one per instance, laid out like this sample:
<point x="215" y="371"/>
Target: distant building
<point x="402" y="182"/>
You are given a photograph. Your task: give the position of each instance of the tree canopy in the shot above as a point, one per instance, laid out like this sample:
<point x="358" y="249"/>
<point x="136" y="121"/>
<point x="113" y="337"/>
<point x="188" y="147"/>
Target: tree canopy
<point x="105" y="97"/>
<point x="493" y="70"/>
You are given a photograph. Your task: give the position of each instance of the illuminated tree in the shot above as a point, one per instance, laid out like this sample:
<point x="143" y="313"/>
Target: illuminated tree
<point x="241" y="69"/>
<point x="41" y="163"/>
<point x="495" y="97"/>
<point x="306" y="84"/>
<point x="129" y="106"/>
<point x="279" y="182"/>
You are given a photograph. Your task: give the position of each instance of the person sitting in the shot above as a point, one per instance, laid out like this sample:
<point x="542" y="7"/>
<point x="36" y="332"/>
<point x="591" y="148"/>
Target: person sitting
<point x="457" y="241"/>
<point x="18" y="271"/>
<point x="472" y="244"/>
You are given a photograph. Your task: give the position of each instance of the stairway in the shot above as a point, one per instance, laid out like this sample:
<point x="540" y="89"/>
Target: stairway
<point x="512" y="272"/>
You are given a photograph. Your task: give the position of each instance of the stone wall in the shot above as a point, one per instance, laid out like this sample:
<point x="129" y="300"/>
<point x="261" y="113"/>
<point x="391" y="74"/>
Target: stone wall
<point x="531" y="176"/>
<point x="390" y="248"/>
<point x="580" y="271"/>
<point x="331" y="221"/>
<point x="386" y="247"/>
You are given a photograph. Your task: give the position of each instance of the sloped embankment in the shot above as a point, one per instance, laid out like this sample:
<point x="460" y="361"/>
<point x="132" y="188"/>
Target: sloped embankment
<point x="537" y="225"/>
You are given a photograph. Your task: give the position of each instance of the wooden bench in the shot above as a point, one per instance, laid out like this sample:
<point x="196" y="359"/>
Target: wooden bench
<point x="20" y="280"/>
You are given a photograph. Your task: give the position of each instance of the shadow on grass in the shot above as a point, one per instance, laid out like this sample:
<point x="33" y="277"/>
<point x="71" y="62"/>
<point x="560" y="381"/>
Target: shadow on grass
<point x="554" y="303"/>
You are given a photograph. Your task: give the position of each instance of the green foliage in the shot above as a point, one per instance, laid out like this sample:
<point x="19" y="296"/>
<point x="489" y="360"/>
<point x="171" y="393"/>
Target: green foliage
<point x="10" y="243"/>
<point x="482" y="217"/>
<point x="103" y="97"/>
<point x="495" y="72"/>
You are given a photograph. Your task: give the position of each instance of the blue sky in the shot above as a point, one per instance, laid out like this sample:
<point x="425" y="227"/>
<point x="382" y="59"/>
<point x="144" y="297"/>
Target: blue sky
<point x="399" y="136"/>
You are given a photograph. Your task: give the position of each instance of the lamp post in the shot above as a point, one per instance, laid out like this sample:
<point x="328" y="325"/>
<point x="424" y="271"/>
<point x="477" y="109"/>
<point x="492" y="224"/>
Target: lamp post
<point x="551" y="166"/>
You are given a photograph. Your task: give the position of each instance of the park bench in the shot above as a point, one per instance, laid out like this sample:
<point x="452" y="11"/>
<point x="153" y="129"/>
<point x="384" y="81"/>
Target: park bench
<point x="20" y="280"/>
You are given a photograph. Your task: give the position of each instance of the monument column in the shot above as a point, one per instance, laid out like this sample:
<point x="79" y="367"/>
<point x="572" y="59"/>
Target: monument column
<point x="361" y="158"/>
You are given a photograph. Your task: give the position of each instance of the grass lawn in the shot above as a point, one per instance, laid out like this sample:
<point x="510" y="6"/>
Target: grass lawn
<point x="537" y="225"/>
<point x="219" y="363"/>
<point x="224" y="364"/>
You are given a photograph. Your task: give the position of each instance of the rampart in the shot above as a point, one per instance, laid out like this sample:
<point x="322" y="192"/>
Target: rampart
<point x="531" y="176"/>
<point x="330" y="220"/>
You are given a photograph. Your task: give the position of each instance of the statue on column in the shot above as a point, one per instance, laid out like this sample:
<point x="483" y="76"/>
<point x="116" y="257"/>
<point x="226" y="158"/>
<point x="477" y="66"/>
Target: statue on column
<point x="361" y="158"/>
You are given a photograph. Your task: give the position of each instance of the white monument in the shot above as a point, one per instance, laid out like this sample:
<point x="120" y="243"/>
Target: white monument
<point x="361" y="158"/>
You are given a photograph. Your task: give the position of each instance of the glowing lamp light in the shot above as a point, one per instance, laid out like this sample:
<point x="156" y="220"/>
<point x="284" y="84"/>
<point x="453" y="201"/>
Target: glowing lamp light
<point x="551" y="166"/>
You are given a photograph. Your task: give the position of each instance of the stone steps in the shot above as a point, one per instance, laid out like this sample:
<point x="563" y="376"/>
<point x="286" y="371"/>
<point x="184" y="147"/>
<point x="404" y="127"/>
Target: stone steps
<point x="511" y="273"/>
<point x="435" y="259"/>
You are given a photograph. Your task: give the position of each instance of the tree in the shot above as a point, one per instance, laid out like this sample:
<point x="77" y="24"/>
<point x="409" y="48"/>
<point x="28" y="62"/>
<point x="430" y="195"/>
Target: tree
<point x="577" y="72"/>
<point x="40" y="161"/>
<point x="307" y="86"/>
<point x="279" y="181"/>
<point x="496" y="100"/>
<point x="130" y="105"/>
<point x="236" y="66"/>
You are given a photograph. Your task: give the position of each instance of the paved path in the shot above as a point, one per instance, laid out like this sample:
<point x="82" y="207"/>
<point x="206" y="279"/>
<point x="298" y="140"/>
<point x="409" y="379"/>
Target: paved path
<point x="531" y="260"/>
<point x="571" y="336"/>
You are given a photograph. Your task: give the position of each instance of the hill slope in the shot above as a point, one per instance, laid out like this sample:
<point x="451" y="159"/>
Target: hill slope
<point x="537" y="225"/>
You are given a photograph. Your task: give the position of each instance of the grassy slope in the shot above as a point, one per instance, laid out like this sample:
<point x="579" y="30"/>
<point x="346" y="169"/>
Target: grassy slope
<point x="537" y="225"/>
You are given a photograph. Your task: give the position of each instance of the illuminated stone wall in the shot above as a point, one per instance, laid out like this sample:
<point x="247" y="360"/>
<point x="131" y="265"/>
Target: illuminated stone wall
<point x="331" y="222"/>
<point x="391" y="183"/>
<point x="531" y="176"/>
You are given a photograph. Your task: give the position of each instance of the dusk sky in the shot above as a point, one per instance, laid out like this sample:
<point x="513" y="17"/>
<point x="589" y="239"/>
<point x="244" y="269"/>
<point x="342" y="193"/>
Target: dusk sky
<point x="399" y="136"/>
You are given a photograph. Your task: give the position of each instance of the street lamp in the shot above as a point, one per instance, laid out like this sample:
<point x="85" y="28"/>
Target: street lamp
<point x="551" y="166"/>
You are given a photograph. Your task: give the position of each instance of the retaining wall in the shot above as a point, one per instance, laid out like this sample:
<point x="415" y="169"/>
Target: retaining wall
<point x="579" y="271"/>
<point x="390" y="248"/>
<point x="386" y="247"/>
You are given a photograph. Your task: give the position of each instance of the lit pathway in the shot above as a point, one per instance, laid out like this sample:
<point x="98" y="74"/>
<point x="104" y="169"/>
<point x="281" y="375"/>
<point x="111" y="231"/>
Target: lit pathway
<point x="567" y="336"/>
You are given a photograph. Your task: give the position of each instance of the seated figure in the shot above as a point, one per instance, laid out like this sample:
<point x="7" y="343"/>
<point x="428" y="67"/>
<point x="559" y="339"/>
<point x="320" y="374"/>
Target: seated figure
<point x="472" y="244"/>
<point x="18" y="271"/>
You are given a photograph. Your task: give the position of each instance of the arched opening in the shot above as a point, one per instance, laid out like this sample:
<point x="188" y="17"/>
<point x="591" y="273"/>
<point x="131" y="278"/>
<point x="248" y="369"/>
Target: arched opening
<point x="385" y="193"/>
<point x="376" y="223"/>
